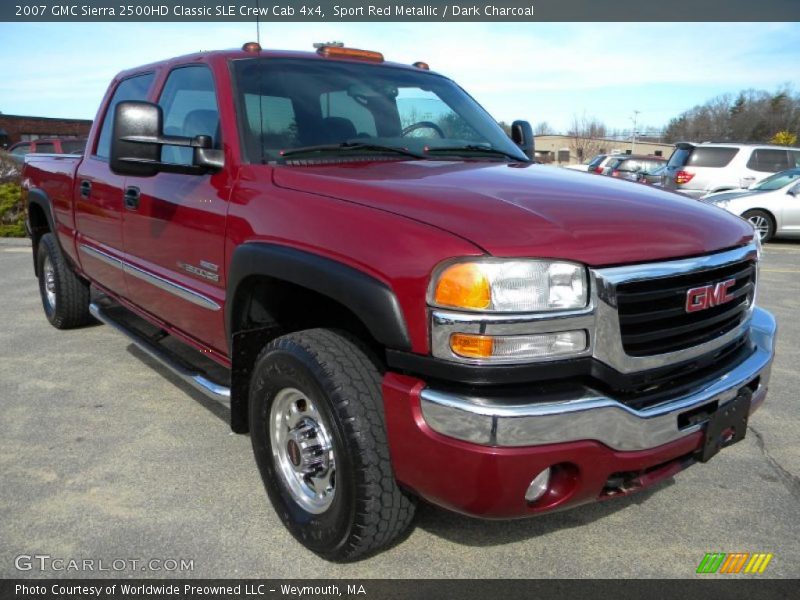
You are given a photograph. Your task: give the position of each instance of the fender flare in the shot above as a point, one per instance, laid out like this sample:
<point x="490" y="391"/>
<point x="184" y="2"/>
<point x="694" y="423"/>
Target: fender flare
<point x="369" y="299"/>
<point x="40" y="199"/>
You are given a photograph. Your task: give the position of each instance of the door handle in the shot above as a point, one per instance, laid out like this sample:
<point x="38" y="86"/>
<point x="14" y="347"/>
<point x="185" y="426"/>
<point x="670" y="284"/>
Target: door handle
<point x="86" y="188"/>
<point x="131" y="197"/>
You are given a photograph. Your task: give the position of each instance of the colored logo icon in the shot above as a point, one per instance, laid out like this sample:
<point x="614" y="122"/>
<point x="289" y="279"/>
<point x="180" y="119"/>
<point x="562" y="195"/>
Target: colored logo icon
<point x="736" y="562"/>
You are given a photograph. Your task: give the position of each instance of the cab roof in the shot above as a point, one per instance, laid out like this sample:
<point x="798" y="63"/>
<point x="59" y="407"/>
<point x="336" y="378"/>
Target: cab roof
<point x="236" y="53"/>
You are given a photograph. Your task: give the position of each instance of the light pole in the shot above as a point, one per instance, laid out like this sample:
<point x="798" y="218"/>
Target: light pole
<point x="633" y="135"/>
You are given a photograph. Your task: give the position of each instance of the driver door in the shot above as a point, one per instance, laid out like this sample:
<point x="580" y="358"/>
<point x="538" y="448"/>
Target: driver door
<point x="174" y="223"/>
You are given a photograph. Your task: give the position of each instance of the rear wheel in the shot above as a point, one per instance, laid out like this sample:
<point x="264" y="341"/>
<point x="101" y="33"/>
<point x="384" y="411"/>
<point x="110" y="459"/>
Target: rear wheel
<point x="318" y="434"/>
<point x="65" y="296"/>
<point x="762" y="222"/>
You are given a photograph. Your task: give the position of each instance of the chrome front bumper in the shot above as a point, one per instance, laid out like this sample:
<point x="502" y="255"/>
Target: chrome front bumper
<point x="590" y="415"/>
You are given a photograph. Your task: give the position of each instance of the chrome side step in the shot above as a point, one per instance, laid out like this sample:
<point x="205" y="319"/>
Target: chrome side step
<point x="196" y="379"/>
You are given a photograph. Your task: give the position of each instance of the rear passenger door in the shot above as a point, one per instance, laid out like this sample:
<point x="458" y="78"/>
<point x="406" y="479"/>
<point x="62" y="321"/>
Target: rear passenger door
<point x="174" y="229"/>
<point x="98" y="197"/>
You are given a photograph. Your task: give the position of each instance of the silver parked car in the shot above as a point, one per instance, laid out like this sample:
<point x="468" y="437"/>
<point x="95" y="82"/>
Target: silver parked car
<point x="699" y="169"/>
<point x="772" y="205"/>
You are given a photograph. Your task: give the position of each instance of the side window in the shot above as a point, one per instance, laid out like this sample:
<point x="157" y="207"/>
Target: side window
<point x="794" y="158"/>
<point x="768" y="160"/>
<point x="21" y="150"/>
<point x="339" y="107"/>
<point x="189" y="102"/>
<point x="133" y="88"/>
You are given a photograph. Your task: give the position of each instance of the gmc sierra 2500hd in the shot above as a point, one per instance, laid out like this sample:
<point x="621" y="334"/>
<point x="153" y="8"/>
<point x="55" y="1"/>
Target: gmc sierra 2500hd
<point x="400" y="303"/>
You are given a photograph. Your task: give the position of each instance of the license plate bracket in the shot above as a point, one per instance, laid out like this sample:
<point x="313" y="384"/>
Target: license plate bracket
<point x="727" y="425"/>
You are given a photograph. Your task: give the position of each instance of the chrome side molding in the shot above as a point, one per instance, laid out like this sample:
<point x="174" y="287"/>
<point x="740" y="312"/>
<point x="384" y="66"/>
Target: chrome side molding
<point x="168" y="286"/>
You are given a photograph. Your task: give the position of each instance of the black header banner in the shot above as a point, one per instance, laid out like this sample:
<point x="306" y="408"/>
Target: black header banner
<point x="399" y="10"/>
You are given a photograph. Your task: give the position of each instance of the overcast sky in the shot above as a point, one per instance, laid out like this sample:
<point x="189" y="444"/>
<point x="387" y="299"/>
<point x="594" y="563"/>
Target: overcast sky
<point x="538" y="72"/>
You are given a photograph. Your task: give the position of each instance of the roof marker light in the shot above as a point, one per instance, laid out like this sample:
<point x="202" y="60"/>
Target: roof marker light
<point x="251" y="47"/>
<point x="339" y="51"/>
<point x="422" y="65"/>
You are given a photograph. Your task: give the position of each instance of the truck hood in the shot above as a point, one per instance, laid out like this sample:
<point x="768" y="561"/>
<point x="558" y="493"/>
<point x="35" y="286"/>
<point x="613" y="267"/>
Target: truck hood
<point x="514" y="210"/>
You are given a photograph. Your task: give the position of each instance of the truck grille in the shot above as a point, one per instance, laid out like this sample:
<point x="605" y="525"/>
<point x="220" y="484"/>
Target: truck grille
<point x="652" y="313"/>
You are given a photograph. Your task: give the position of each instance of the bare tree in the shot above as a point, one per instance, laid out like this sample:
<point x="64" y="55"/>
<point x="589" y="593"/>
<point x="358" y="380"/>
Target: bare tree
<point x="543" y="128"/>
<point x="586" y="136"/>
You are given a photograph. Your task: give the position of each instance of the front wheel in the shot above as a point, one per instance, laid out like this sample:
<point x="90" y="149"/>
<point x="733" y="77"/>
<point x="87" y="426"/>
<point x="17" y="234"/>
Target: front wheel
<point x="318" y="434"/>
<point x="762" y="222"/>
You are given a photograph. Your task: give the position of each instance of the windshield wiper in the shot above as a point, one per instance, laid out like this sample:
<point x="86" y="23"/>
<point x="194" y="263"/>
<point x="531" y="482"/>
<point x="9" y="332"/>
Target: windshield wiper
<point x="348" y="146"/>
<point x="473" y="148"/>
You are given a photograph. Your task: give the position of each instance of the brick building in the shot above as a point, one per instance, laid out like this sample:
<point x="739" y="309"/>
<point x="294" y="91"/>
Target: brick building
<point x="18" y="128"/>
<point x="566" y="150"/>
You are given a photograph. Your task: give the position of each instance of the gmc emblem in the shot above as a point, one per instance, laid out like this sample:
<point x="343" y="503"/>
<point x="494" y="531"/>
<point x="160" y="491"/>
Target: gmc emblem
<point x="701" y="298"/>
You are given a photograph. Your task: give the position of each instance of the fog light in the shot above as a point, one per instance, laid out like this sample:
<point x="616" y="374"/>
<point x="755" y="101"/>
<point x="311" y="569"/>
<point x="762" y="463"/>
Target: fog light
<point x="519" y="347"/>
<point x="538" y="486"/>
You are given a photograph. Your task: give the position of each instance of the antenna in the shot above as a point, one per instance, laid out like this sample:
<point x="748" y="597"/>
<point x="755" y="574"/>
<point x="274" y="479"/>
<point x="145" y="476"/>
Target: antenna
<point x="258" y="22"/>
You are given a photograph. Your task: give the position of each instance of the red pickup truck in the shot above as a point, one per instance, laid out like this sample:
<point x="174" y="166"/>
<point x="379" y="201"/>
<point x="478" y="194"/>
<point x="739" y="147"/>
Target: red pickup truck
<point x="395" y="302"/>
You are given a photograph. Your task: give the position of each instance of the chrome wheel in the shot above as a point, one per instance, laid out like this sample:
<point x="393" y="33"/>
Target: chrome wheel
<point x="49" y="274"/>
<point x="303" y="450"/>
<point x="761" y="225"/>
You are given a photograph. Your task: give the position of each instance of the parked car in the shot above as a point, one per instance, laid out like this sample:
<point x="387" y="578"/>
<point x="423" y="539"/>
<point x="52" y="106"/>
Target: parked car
<point x="48" y="146"/>
<point x="598" y="163"/>
<point x="628" y="167"/>
<point x="399" y="316"/>
<point x="699" y="169"/>
<point x="653" y="177"/>
<point x="772" y="205"/>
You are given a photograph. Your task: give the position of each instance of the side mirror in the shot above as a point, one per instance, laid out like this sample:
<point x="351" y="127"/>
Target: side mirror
<point x="522" y="135"/>
<point x="794" y="190"/>
<point x="136" y="141"/>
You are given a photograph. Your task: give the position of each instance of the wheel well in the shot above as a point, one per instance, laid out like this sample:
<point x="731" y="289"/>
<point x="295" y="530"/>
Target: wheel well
<point x="265" y="308"/>
<point x="764" y="210"/>
<point x="38" y="226"/>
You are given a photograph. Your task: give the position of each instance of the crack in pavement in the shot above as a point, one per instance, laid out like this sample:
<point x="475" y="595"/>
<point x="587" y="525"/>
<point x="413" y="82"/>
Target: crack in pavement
<point x="791" y="481"/>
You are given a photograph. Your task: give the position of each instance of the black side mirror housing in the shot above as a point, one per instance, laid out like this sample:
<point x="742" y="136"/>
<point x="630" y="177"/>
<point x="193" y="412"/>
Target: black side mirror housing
<point x="522" y="135"/>
<point x="794" y="190"/>
<point x="136" y="141"/>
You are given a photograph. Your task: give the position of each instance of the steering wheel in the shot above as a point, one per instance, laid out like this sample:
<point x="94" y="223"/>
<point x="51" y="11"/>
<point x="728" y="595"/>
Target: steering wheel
<point x="423" y="125"/>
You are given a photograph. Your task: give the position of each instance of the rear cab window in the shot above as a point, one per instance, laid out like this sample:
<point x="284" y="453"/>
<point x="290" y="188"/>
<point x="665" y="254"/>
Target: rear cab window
<point x="44" y="148"/>
<point x="73" y="146"/>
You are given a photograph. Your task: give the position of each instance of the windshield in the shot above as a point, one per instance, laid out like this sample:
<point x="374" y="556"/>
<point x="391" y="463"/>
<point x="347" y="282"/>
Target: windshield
<point x="291" y="104"/>
<point x="777" y="181"/>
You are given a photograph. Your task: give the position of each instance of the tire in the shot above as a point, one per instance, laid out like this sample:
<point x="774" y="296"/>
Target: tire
<point x="326" y="383"/>
<point x="65" y="296"/>
<point x="763" y="223"/>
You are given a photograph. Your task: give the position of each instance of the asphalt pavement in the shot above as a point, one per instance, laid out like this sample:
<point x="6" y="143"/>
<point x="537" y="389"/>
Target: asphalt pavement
<point x="104" y="456"/>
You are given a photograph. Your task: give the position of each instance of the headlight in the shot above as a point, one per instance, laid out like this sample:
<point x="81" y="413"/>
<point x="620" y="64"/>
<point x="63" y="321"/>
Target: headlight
<point x="510" y="286"/>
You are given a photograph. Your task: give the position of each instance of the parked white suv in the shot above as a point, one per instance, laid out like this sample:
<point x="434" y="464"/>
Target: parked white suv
<point x="699" y="169"/>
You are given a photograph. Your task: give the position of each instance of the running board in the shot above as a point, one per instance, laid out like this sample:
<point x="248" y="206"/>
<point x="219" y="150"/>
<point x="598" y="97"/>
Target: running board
<point x="196" y="379"/>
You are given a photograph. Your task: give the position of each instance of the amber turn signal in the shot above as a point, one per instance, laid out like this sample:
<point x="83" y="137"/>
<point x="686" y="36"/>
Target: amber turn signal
<point x="463" y="285"/>
<point x="472" y="346"/>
